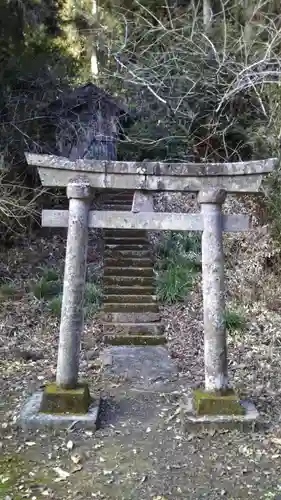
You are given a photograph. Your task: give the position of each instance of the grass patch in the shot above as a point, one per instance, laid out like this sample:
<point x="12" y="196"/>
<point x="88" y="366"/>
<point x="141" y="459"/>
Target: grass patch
<point x="8" y="290"/>
<point x="50" y="274"/>
<point x="174" y="244"/>
<point x="177" y="265"/>
<point x="48" y="286"/>
<point x="234" y="321"/>
<point x="54" y="305"/>
<point x="174" y="283"/>
<point x="92" y="301"/>
<point x="46" y="289"/>
<point x="15" y="480"/>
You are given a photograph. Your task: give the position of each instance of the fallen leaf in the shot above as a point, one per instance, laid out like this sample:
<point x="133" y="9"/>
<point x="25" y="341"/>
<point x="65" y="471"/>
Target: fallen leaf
<point x="5" y="479"/>
<point x="63" y="474"/>
<point x="107" y="472"/>
<point x="75" y="459"/>
<point x="173" y="416"/>
<point x="70" y="445"/>
<point x="276" y="441"/>
<point x="77" y="468"/>
<point x="143" y="479"/>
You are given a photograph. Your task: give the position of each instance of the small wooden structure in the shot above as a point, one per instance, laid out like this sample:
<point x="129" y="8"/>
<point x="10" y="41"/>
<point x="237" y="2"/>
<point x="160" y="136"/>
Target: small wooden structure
<point x="86" y="123"/>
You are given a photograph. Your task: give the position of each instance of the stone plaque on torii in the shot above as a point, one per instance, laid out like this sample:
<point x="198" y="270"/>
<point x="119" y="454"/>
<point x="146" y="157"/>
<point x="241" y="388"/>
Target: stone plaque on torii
<point x="212" y="182"/>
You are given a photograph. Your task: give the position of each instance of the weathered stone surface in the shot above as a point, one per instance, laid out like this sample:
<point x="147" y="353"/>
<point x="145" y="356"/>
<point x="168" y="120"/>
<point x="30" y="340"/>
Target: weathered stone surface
<point x="123" y="247"/>
<point x="128" y="271"/>
<point x="127" y="253"/>
<point x="149" y="329"/>
<point x="128" y="290"/>
<point x="128" y="262"/>
<point x="124" y="233"/>
<point x="226" y="403"/>
<point x="133" y="241"/>
<point x="137" y="340"/>
<point x="232" y="184"/>
<point x="146" y="367"/>
<point x="65" y="401"/>
<point x="133" y="317"/>
<point x="131" y="307"/>
<point x="129" y="281"/>
<point x="121" y="201"/>
<point x="151" y="168"/>
<point x="32" y="419"/>
<point x="122" y="310"/>
<point x="192" y="422"/>
<point x="122" y="207"/>
<point x="215" y="354"/>
<point x="129" y="299"/>
<point x="158" y="221"/>
<point x="71" y="325"/>
<point x="142" y="202"/>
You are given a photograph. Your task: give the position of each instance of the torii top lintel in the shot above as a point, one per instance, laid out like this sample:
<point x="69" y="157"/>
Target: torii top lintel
<point x="244" y="177"/>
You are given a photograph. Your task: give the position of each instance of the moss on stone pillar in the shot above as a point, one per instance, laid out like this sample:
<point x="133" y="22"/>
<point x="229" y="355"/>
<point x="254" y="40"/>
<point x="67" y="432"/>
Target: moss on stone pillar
<point x="57" y="400"/>
<point x="217" y="403"/>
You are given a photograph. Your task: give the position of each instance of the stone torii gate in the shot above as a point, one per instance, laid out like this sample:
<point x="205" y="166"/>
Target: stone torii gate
<point x="212" y="182"/>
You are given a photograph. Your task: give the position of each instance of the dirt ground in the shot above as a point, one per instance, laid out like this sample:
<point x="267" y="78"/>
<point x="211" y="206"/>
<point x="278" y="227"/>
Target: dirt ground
<point x="139" y="451"/>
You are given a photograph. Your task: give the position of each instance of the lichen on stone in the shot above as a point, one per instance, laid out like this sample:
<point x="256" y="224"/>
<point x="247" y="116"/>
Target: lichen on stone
<point x="217" y="403"/>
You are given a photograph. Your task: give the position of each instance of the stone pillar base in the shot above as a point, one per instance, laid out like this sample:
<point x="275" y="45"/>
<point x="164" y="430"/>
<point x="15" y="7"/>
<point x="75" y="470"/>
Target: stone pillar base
<point x="64" y="401"/>
<point x="32" y="417"/>
<point x="200" y="410"/>
<point x="217" y="403"/>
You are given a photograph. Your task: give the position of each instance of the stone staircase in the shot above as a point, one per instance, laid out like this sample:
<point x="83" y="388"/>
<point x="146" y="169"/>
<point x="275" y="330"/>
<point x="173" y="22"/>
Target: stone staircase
<point x="130" y="314"/>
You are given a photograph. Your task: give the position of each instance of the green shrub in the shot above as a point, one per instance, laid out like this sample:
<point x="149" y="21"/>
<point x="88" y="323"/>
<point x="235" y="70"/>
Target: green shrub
<point x="50" y="274"/>
<point x="48" y="286"/>
<point x="92" y="298"/>
<point x="174" y="244"/>
<point x="178" y="262"/>
<point x="234" y="320"/>
<point x="54" y="305"/>
<point x="45" y="289"/>
<point x="173" y="283"/>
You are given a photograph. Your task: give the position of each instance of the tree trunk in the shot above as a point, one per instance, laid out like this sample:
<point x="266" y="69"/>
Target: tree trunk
<point x="207" y="15"/>
<point x="93" y="42"/>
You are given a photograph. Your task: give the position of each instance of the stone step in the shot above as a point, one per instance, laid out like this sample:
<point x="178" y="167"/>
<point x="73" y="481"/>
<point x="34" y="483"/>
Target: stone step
<point x="127" y="262"/>
<point x="120" y="208"/>
<point x="134" y="248"/>
<point x="116" y="194"/>
<point x="134" y="299"/>
<point x="118" y="307"/>
<point x="133" y="241"/>
<point x="152" y="329"/>
<point x="128" y="290"/>
<point x="125" y="195"/>
<point x="123" y="253"/>
<point x="129" y="271"/>
<point x="137" y="340"/>
<point x="119" y="201"/>
<point x="133" y="317"/>
<point x="124" y="233"/>
<point x="129" y="281"/>
<point x="118" y="205"/>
